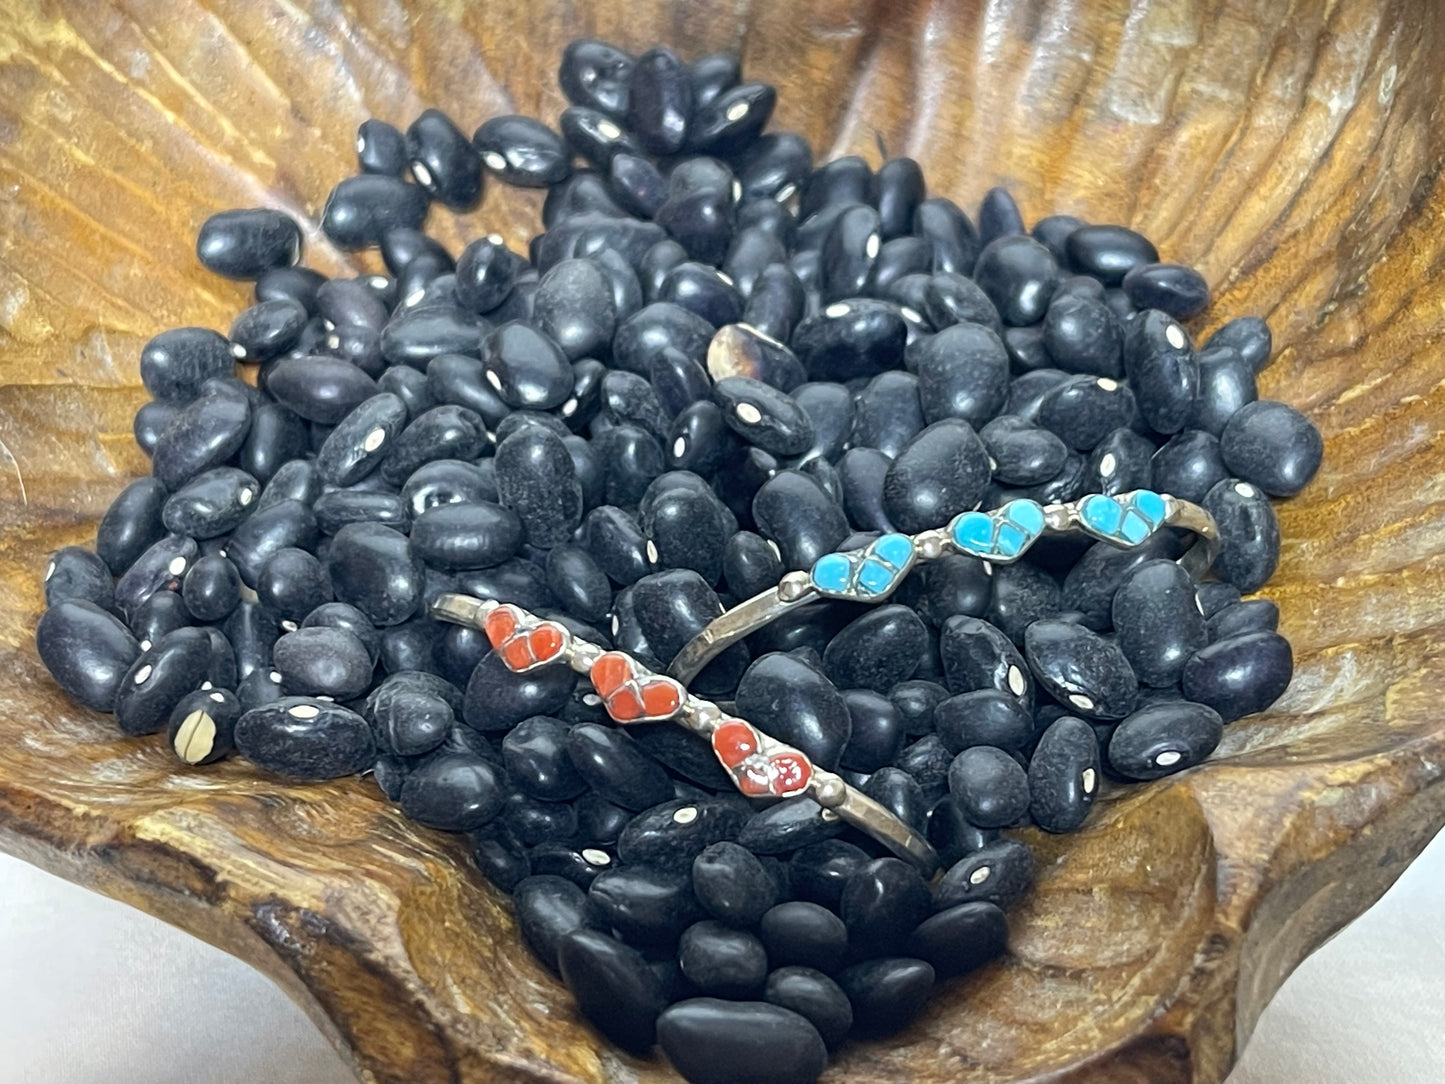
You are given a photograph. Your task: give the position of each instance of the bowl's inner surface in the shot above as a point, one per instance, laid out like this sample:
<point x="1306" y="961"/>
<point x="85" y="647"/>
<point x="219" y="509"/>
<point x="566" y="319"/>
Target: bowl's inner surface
<point x="1289" y="151"/>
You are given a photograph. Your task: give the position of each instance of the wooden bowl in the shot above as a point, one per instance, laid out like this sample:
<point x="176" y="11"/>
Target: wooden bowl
<point x="1292" y="152"/>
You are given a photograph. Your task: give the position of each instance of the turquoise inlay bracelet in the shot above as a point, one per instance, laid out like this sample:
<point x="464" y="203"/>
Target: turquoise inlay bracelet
<point x="1000" y="536"/>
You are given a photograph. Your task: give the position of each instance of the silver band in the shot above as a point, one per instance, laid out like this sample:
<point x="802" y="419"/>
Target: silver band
<point x="1001" y="536"/>
<point x="760" y="766"/>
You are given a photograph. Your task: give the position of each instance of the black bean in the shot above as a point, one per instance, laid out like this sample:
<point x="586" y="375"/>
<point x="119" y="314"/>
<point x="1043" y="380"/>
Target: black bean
<point x="380" y="148"/>
<point x="537" y="480"/>
<point x="730" y="122"/>
<point x="796" y="704"/>
<point x="340" y="615"/>
<point x="1090" y="585"/>
<point x="887" y="993"/>
<point x="688" y="530"/>
<point x="998" y="215"/>
<point x="1272" y="445"/>
<point x="1226" y="383"/>
<point x="523" y="151"/>
<point x="615" y="989"/>
<point x="245" y="244"/>
<point x="961" y="938"/>
<point x="776" y="304"/>
<point x="881" y="904"/>
<point x="306" y="739"/>
<point x="202" y="726"/>
<point x="1248" y="530"/>
<point x="843" y="180"/>
<point x="647" y="907"/>
<point x="1164" y="738"/>
<point x="360" y="210"/>
<point x="1023" y="454"/>
<point x="211" y="588"/>
<point x="1064" y="775"/>
<point x="205" y="433"/>
<point x="799" y="933"/>
<point x="1108" y="252"/>
<point x="1255" y="615"/>
<point x="575" y="311"/>
<point x="87" y="650"/>
<point x="462" y="536"/>
<point x="1188" y="466"/>
<point x="1081" y="335"/>
<point x="654" y="328"/>
<point x="763" y="415"/>
<point x="852" y="338"/>
<point x="362" y="440"/>
<point x="323" y="662"/>
<point x="1159" y="625"/>
<point x="414" y="336"/>
<point x="160" y="568"/>
<point x="976" y="655"/>
<point x="373" y="568"/>
<point x="670" y="835"/>
<point x="212" y="503"/>
<point x="1246" y="335"/>
<point x="596" y="74"/>
<point x="732" y="884"/>
<point x="1052" y="231"/>
<point x="319" y="389"/>
<point x="408" y="721"/>
<point x="1081" y="669"/>
<point x="792" y="510"/>
<point x="983" y="717"/>
<point x="175" y="363"/>
<point x="711" y="1041"/>
<point x="131" y="524"/>
<point x="989" y="787"/>
<point x="941" y="472"/>
<point x="877" y="650"/>
<point x="76" y="573"/>
<point x="998" y="873"/>
<point x="149" y="422"/>
<point x="782" y="828"/>
<point x="702" y="290"/>
<point x="294" y="480"/>
<point x="454" y="792"/>
<point x="962" y="373"/>
<point x="877" y="733"/>
<point x="549" y="909"/>
<point x="1240" y="675"/>
<point x="1178" y="290"/>
<point x="1083" y="410"/>
<point x="1019" y="275"/>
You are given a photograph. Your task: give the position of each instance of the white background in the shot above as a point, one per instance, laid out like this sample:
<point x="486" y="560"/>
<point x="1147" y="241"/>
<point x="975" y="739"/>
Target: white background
<point x="92" y="992"/>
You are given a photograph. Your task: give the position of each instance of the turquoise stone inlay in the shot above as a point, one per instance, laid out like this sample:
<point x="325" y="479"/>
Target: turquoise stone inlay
<point x="1002" y="534"/>
<point x="1127" y="519"/>
<point x="869" y="573"/>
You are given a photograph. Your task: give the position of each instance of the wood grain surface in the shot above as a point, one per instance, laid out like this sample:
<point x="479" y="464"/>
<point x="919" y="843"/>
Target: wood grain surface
<point x="1291" y="150"/>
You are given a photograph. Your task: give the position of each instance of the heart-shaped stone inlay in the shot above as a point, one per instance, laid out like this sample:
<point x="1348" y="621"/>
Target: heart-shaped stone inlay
<point x="631" y="694"/>
<point x="870" y="573"/>
<point x="1000" y="535"/>
<point x="1126" y="520"/>
<point x="523" y="648"/>
<point x="739" y="746"/>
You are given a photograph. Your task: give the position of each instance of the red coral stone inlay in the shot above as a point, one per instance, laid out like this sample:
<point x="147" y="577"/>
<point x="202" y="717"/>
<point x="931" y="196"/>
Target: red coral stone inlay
<point x="499" y="625"/>
<point x="610" y="672"/>
<point x="516" y="653"/>
<point x="661" y="697"/>
<point x="624" y="705"/>
<point x="733" y="742"/>
<point x="790" y="773"/>
<point x="546" y="642"/>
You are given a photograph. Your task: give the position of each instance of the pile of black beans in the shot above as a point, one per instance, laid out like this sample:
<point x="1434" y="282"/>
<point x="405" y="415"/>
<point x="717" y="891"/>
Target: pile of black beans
<point x="718" y="362"/>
